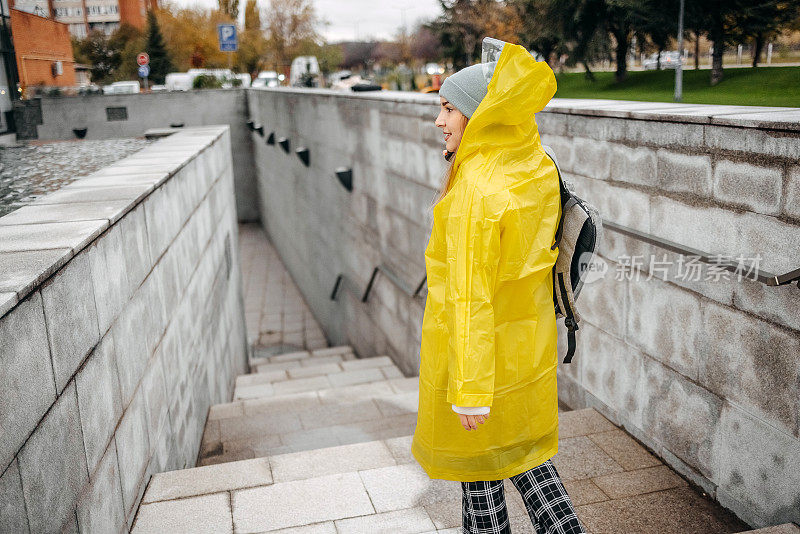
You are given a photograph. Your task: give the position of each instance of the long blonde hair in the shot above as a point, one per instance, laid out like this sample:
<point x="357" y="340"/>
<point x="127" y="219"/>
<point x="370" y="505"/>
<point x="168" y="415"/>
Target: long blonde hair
<point x="448" y="180"/>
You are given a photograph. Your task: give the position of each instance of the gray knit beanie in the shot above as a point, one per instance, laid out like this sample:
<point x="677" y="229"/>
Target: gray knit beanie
<point x="466" y="88"/>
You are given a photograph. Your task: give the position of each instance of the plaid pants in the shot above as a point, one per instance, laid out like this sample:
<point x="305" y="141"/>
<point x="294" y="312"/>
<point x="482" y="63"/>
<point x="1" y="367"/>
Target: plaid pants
<point x="547" y="502"/>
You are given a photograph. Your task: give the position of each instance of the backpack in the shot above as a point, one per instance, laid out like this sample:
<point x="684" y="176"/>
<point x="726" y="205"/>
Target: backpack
<point x="577" y="237"/>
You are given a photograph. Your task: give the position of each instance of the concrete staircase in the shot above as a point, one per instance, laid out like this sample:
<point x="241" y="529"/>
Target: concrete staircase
<point x="318" y="442"/>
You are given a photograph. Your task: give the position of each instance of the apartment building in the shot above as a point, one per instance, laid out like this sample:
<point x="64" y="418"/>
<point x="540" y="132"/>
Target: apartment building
<point x="82" y="16"/>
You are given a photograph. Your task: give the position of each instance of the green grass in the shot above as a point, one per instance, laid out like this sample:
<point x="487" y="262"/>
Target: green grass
<point x="760" y="86"/>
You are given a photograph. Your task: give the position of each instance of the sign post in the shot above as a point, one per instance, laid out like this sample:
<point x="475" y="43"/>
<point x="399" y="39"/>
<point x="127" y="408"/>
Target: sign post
<point x="228" y="40"/>
<point x="143" y="60"/>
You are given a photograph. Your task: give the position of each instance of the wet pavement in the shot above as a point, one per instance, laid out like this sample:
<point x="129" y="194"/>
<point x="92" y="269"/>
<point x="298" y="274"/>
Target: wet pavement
<point x="31" y="171"/>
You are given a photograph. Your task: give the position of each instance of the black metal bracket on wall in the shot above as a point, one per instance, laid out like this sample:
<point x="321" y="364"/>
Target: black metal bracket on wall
<point x="284" y="144"/>
<point x="250" y="125"/>
<point x="345" y="176"/>
<point x="400" y="284"/>
<point x="271" y="138"/>
<point x="259" y="129"/>
<point x="304" y="154"/>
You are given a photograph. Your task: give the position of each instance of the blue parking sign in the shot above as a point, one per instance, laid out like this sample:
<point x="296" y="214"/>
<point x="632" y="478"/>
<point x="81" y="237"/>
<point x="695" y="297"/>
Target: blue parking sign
<point x="228" y="40"/>
<point x="144" y="71"/>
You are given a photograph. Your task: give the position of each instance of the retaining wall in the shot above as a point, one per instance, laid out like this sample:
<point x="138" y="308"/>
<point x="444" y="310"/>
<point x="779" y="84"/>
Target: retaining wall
<point x="121" y="323"/>
<point x="706" y="373"/>
<point x="110" y="116"/>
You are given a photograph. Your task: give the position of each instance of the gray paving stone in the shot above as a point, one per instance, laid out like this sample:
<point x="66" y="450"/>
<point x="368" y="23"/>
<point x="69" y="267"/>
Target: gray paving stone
<point x="286" y="504"/>
<point x="23" y="271"/>
<point x="276" y="366"/>
<point x="329" y="351"/>
<point x="71" y="317"/>
<point x="12" y="502"/>
<point x="302" y="384"/>
<point x="636" y="482"/>
<point x="290" y="356"/>
<point x="293" y="402"/>
<point x="71" y="235"/>
<point x="579" y="458"/>
<point x="314" y="370"/>
<point x="133" y="449"/>
<point x="101" y="508"/>
<point x="406" y="486"/>
<point x="319" y="360"/>
<point x="257" y="379"/>
<point x="110" y="210"/>
<point x="208" y="479"/>
<point x="132" y="193"/>
<point x="99" y="400"/>
<point x="51" y="492"/>
<point x="581" y="422"/>
<point x="391" y="371"/>
<point x="112" y="288"/>
<point x="400" y="403"/>
<point x="357" y="376"/>
<point x="303" y="440"/>
<point x="364" y="363"/>
<point x="337" y="414"/>
<point x="624" y="450"/>
<point x="225" y="411"/>
<point x="26" y="374"/>
<point x="198" y="515"/>
<point x="254" y="392"/>
<point x="111" y="180"/>
<point x="329" y="460"/>
<point x="408" y="521"/>
<point x="356" y="392"/>
<point x="326" y="527"/>
<point x="258" y="425"/>
<point x="401" y="449"/>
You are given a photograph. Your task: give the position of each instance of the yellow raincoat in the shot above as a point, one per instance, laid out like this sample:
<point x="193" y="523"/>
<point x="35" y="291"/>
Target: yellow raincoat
<point x="489" y="327"/>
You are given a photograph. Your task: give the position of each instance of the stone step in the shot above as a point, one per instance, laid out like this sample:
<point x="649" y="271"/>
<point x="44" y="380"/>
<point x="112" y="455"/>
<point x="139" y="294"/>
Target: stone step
<point x="309" y="420"/>
<point x="377" y="486"/>
<point x="323" y="355"/>
<point x="315" y="377"/>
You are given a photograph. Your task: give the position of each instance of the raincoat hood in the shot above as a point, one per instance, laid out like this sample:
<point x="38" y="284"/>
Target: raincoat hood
<point x="489" y="327"/>
<point x="519" y="86"/>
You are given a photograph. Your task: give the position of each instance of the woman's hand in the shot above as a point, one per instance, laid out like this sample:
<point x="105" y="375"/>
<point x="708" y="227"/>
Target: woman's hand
<point x="470" y="422"/>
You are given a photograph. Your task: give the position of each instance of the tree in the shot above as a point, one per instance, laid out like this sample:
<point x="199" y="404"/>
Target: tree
<point x="253" y="46"/>
<point x="191" y="37"/>
<point x="126" y="42"/>
<point x="425" y="46"/>
<point x="160" y="63"/>
<point x="94" y="50"/>
<point x="289" y="24"/>
<point x="537" y="32"/>
<point x="252" y="16"/>
<point x="763" y="20"/>
<point x="230" y="8"/>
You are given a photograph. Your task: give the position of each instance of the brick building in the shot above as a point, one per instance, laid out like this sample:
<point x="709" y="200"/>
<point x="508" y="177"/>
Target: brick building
<point x="43" y="50"/>
<point x="85" y="15"/>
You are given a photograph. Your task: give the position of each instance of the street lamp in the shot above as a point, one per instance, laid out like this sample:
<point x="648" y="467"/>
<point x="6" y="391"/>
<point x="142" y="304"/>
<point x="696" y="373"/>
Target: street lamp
<point x="679" y="70"/>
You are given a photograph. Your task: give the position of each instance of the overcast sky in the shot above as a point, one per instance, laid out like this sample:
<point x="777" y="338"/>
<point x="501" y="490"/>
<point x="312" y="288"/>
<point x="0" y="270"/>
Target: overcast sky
<point x="357" y="19"/>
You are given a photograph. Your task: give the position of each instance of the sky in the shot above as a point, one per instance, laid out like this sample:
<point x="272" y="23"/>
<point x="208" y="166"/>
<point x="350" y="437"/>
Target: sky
<point x="356" y="19"/>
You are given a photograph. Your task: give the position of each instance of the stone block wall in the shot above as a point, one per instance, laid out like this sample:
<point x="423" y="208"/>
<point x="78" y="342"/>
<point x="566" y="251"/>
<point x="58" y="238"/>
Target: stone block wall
<point x="112" y="116"/>
<point x="119" y="326"/>
<point x="704" y="370"/>
<point x="706" y="373"/>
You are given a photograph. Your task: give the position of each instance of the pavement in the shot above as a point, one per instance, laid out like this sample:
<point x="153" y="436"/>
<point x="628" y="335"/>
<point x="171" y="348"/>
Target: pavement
<point x="317" y="441"/>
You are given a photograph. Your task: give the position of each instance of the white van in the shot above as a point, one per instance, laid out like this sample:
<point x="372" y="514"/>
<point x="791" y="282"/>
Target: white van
<point x="304" y="70"/>
<point x="179" y="81"/>
<point x="122" y="88"/>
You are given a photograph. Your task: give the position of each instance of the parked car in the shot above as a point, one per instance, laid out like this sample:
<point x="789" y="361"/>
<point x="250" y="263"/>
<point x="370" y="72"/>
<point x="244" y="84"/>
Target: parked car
<point x="266" y="78"/>
<point x="122" y="88"/>
<point x="669" y="60"/>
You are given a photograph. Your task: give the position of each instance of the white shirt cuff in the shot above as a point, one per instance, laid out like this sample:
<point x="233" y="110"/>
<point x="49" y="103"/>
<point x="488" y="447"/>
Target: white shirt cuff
<point x="471" y="410"/>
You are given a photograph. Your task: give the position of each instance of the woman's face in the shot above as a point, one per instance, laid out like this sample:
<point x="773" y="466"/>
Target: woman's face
<point x="451" y="121"/>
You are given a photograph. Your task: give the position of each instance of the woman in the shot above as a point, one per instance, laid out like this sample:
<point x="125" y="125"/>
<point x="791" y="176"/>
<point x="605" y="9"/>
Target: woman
<point x="488" y="407"/>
